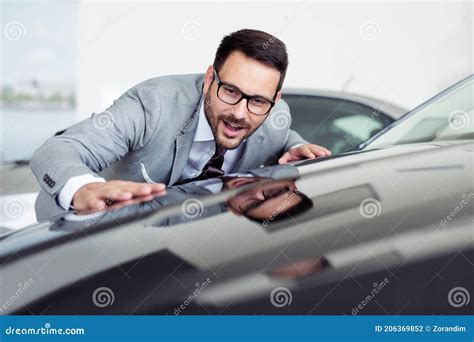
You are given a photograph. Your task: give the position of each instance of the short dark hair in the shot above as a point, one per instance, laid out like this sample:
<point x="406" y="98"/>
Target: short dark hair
<point x="259" y="45"/>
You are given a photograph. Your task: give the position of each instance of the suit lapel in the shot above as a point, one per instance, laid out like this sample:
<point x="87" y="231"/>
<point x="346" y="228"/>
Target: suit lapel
<point x="183" y="144"/>
<point x="253" y="152"/>
<point x="182" y="149"/>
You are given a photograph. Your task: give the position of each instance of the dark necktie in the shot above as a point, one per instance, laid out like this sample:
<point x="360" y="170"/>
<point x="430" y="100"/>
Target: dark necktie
<point x="212" y="169"/>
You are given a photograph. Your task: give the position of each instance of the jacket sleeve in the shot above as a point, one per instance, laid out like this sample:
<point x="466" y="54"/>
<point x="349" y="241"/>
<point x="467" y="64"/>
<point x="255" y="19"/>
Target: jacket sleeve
<point x="282" y="118"/>
<point x="93" y="144"/>
<point x="293" y="140"/>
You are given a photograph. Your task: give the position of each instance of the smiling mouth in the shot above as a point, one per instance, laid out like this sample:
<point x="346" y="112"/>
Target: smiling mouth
<point x="231" y="128"/>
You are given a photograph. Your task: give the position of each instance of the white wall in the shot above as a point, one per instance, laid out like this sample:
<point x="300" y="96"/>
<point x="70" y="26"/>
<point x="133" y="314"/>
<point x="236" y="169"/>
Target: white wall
<point x="400" y="52"/>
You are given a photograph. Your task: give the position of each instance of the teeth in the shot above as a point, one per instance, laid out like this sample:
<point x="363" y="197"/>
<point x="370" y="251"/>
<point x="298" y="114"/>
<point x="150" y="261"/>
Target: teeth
<point x="233" y="125"/>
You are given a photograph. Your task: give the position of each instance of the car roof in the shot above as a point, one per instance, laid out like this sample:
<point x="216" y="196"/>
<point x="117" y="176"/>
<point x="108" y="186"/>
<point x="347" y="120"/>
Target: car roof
<point x="391" y="109"/>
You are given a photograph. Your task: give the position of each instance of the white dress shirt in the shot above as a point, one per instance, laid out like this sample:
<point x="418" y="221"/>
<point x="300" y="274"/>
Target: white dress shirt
<point x="202" y="150"/>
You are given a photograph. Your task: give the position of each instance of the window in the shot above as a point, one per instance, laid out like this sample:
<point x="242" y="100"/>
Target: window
<point x="338" y="124"/>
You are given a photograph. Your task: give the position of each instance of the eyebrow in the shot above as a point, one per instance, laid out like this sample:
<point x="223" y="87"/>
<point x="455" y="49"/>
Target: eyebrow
<point x="234" y="86"/>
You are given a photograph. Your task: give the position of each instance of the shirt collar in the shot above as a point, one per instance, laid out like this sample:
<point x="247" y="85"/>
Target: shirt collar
<point x="203" y="131"/>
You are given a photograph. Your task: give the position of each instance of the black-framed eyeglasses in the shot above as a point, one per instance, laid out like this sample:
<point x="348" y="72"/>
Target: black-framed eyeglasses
<point x="232" y="95"/>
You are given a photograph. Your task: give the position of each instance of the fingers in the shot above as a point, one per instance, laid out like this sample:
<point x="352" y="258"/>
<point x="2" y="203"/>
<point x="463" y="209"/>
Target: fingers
<point x="124" y="190"/>
<point x="99" y="196"/>
<point x="309" y="151"/>
<point x="305" y="152"/>
<point x="296" y="154"/>
<point x="319" y="151"/>
<point x="285" y="158"/>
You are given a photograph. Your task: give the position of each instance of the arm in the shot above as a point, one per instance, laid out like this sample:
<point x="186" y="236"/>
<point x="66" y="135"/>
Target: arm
<point x="296" y="148"/>
<point x="93" y="144"/>
<point x="294" y="140"/>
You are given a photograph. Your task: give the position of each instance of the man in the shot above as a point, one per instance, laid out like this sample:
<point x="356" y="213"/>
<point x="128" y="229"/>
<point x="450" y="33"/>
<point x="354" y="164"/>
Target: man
<point x="175" y="129"/>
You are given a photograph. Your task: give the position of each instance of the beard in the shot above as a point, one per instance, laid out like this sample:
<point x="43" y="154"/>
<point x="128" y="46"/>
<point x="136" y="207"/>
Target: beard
<point x="214" y="120"/>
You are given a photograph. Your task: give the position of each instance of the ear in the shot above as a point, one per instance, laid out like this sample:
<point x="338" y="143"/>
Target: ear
<point x="278" y="97"/>
<point x="208" y="78"/>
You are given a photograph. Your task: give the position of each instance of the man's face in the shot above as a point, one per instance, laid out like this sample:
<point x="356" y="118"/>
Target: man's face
<point x="231" y="124"/>
<point x="265" y="199"/>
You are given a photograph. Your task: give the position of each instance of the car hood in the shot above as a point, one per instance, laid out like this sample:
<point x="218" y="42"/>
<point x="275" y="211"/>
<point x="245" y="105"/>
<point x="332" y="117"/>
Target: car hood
<point x="360" y="198"/>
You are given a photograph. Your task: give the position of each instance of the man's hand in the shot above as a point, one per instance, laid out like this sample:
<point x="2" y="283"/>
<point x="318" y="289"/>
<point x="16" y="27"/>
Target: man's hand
<point x="98" y="196"/>
<point x="308" y="151"/>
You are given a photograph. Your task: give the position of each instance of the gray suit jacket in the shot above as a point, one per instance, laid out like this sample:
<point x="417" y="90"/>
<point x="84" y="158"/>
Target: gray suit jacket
<point x="151" y="127"/>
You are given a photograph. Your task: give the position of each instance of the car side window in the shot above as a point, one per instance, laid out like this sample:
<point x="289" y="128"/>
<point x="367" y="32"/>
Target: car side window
<point x="338" y="124"/>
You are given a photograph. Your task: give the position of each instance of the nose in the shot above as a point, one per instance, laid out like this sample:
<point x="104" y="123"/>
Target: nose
<point x="240" y="110"/>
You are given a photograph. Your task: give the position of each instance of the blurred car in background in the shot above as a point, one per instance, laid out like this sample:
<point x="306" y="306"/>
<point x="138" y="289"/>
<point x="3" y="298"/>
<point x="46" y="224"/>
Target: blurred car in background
<point x="386" y="229"/>
<point x="338" y="121"/>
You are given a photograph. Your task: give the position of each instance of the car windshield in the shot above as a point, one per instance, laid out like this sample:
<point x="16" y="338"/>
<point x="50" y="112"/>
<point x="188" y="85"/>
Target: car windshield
<point x="448" y="116"/>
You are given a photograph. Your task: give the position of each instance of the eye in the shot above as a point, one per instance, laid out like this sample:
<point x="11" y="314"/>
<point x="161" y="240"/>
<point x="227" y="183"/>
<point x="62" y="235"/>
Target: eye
<point x="257" y="101"/>
<point x="230" y="91"/>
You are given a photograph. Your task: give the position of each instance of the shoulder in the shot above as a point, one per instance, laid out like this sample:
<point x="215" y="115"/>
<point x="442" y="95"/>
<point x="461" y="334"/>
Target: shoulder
<point x="183" y="89"/>
<point x="279" y="118"/>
